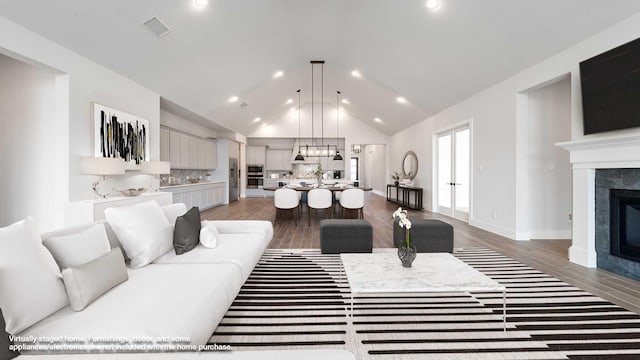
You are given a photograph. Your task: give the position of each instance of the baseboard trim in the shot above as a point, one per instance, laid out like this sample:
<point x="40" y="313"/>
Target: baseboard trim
<point x="550" y="234"/>
<point x="502" y="231"/>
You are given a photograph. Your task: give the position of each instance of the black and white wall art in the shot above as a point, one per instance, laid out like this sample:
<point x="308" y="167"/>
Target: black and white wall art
<point x="118" y="134"/>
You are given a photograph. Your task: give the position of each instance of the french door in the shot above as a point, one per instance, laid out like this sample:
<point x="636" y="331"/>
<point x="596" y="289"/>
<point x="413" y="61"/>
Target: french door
<point x="453" y="167"/>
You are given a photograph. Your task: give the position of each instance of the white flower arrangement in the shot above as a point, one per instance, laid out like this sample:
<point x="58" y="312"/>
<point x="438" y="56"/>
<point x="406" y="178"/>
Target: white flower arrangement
<point x="404" y="223"/>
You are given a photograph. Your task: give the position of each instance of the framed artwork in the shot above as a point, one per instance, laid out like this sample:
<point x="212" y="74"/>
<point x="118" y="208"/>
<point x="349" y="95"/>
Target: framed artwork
<point x="118" y="134"/>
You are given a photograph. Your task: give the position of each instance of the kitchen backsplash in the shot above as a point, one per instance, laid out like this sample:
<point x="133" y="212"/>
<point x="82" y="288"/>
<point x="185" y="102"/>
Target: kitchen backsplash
<point x="180" y="176"/>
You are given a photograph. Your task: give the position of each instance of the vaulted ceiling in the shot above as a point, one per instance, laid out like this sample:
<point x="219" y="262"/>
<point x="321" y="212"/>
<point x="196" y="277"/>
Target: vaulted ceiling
<point x="433" y="59"/>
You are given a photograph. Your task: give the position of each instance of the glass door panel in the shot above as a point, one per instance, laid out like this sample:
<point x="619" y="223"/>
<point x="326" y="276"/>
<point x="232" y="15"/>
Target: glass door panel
<point x="461" y="174"/>
<point x="444" y="174"/>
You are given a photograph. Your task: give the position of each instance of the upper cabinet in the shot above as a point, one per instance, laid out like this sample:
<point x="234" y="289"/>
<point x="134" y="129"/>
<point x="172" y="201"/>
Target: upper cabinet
<point x="256" y="155"/>
<point x="165" y="155"/>
<point x="187" y="152"/>
<point x="278" y="160"/>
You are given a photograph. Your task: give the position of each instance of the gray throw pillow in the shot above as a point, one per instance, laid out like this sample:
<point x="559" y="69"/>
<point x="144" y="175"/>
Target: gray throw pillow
<point x="5" y="342"/>
<point x="87" y="282"/>
<point x="186" y="233"/>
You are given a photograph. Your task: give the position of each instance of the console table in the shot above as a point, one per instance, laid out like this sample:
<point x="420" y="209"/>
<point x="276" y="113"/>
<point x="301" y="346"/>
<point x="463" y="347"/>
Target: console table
<point x="403" y="196"/>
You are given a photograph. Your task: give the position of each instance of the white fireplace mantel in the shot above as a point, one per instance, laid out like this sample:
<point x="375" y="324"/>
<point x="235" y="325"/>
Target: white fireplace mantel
<point x="587" y="155"/>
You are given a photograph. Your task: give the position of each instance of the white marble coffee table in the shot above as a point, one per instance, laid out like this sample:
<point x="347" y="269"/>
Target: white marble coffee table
<point x="382" y="272"/>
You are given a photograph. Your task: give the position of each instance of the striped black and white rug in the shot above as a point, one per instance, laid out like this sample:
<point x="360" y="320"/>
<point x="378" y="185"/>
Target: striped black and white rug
<point x="298" y="300"/>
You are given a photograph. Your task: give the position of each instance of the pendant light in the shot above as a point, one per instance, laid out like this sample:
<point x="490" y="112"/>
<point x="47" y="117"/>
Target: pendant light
<point x="315" y="149"/>
<point x="337" y="157"/>
<point x="299" y="157"/>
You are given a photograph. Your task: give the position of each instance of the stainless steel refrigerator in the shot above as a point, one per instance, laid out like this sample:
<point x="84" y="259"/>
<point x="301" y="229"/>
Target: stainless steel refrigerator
<point x="234" y="178"/>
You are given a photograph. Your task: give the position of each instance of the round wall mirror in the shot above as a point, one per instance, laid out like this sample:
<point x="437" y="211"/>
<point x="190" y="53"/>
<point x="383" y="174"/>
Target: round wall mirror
<point x="409" y="165"/>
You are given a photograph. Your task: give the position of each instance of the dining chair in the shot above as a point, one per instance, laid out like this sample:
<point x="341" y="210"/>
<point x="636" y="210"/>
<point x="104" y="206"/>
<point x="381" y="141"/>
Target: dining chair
<point x="352" y="199"/>
<point x="286" y="200"/>
<point x="318" y="199"/>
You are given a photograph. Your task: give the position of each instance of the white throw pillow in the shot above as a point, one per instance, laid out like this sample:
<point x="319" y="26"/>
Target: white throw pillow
<point x="77" y="249"/>
<point x="89" y="281"/>
<point x="143" y="231"/>
<point x="173" y="211"/>
<point x="30" y="285"/>
<point x="209" y="236"/>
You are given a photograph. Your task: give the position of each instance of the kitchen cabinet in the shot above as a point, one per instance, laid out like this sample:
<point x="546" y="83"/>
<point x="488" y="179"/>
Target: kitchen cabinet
<point x="278" y="160"/>
<point x="187" y="152"/>
<point x="202" y="164"/>
<point x="204" y="196"/>
<point x="165" y="154"/>
<point x="88" y="211"/>
<point x="256" y="155"/>
<point x="193" y="153"/>
<point x="211" y="155"/>
<point x="328" y="164"/>
<point x="337" y="165"/>
<point x="174" y="150"/>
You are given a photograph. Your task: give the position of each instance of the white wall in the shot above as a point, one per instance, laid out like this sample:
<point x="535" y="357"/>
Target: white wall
<point x="87" y="82"/>
<point x="417" y="139"/>
<point x="27" y="138"/>
<point x="549" y="170"/>
<point x="177" y="122"/>
<point x="370" y="174"/>
<point x="500" y="185"/>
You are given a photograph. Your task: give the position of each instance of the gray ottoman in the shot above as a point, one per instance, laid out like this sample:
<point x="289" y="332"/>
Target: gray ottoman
<point x="345" y="236"/>
<point x="427" y="235"/>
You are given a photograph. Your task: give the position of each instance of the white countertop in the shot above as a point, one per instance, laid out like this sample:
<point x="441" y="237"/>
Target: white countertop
<point x="190" y="184"/>
<point x="383" y="272"/>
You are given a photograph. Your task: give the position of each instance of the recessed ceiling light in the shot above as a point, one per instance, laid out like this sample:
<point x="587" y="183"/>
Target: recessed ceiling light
<point x="200" y="4"/>
<point x="345" y="101"/>
<point x="377" y="120"/>
<point x="401" y="100"/>
<point x="233" y="99"/>
<point x="356" y="73"/>
<point x="289" y="101"/>
<point x="278" y="74"/>
<point x="433" y="4"/>
<point x="257" y="119"/>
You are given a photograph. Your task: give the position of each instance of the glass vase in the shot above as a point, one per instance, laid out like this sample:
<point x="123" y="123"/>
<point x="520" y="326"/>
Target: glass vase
<point x="407" y="255"/>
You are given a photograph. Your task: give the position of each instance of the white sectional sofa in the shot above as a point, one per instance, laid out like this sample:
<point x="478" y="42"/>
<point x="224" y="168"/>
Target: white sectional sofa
<point x="175" y="296"/>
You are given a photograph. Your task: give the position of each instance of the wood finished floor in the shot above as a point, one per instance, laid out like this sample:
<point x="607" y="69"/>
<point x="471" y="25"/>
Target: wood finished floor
<point x="549" y="256"/>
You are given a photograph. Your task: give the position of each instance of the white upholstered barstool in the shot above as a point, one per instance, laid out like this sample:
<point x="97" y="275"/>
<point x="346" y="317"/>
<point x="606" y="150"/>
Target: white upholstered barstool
<point x="286" y="200"/>
<point x="353" y="199"/>
<point x="318" y="199"/>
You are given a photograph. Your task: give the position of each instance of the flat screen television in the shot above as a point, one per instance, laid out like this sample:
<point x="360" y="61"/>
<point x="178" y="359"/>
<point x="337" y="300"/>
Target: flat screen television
<point x="611" y="89"/>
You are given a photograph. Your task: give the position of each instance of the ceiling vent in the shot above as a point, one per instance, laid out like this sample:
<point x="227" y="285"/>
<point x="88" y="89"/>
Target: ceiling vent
<point x="157" y="27"/>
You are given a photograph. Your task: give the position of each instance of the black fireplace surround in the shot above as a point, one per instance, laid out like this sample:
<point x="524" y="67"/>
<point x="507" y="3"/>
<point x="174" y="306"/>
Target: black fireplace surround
<point x="617" y="221"/>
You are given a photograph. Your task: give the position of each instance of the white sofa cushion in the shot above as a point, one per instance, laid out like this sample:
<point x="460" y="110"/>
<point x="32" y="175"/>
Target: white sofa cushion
<point x="87" y="282"/>
<point x="243" y="227"/>
<point x="157" y="301"/>
<point x="243" y="250"/>
<point x="143" y="231"/>
<point x="30" y="285"/>
<point x="173" y="211"/>
<point x="80" y="248"/>
<point x="209" y="236"/>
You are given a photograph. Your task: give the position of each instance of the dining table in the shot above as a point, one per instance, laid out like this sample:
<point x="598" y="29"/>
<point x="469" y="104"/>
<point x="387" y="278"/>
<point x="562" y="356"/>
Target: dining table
<point x="308" y="188"/>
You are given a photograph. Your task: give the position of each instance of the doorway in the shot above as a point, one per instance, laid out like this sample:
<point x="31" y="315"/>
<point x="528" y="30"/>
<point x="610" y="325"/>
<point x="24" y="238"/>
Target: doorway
<point x="453" y="164"/>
